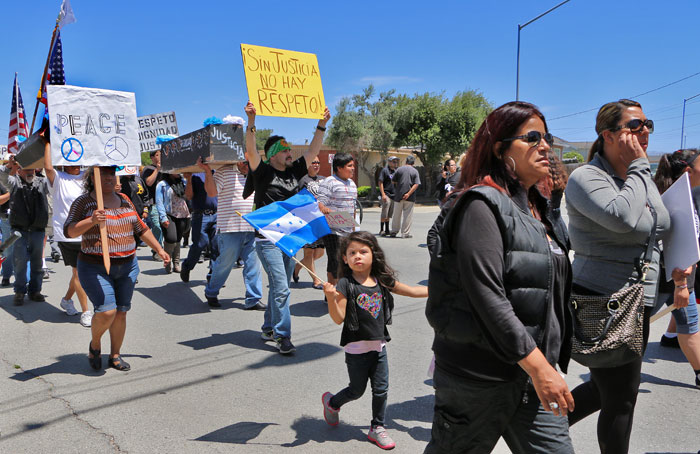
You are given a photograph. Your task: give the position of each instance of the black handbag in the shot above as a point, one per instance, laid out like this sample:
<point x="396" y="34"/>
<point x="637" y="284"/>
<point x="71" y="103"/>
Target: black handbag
<point x="609" y="329"/>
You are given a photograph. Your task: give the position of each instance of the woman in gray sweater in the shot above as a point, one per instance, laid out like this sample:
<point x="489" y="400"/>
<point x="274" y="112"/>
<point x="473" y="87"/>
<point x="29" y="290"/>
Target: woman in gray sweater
<point x="608" y="201"/>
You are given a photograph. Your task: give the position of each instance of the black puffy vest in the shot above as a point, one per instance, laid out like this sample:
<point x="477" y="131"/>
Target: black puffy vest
<point x="528" y="271"/>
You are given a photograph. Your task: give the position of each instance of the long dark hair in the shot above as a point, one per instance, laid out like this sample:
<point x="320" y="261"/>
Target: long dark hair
<point x="381" y="270"/>
<point x="485" y="154"/>
<point x="608" y="117"/>
<point x="672" y="166"/>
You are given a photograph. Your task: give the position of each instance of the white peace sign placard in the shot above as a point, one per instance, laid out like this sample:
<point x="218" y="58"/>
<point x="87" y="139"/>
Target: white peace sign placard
<point x="102" y="122"/>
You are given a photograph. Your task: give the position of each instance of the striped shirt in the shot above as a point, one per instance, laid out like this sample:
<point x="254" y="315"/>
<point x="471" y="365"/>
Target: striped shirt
<point x="229" y="185"/>
<point x="122" y="223"/>
<point x="338" y="195"/>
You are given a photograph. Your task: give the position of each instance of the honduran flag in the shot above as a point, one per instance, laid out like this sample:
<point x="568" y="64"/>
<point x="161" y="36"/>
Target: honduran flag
<point x="291" y="223"/>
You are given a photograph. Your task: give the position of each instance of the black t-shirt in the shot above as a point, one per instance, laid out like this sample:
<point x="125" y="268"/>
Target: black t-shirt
<point x="5" y="206"/>
<point x="147" y="171"/>
<point x="385" y="177"/>
<point x="369" y="307"/>
<point x="273" y="185"/>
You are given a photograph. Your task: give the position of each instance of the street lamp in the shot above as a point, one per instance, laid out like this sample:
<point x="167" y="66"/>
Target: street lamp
<point x="520" y="27"/>
<point x="683" y="122"/>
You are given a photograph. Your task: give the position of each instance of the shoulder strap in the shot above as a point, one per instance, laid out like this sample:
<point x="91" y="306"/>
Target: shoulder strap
<point x="642" y="264"/>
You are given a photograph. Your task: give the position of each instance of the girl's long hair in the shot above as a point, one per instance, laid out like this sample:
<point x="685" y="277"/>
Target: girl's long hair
<point x="672" y="166"/>
<point x="381" y="270"/>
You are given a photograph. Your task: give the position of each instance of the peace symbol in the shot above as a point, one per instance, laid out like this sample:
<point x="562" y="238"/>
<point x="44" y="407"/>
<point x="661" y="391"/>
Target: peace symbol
<point x="116" y="149"/>
<point x="72" y="150"/>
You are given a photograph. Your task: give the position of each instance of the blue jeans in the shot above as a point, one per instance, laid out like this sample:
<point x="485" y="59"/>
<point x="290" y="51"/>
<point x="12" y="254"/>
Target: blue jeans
<point x="279" y="267"/>
<point x="686" y="317"/>
<point x="372" y="366"/>
<point x="7" y="265"/>
<point x="29" y="248"/>
<point x="109" y="291"/>
<point x="470" y="415"/>
<point x="155" y="224"/>
<point x="231" y="246"/>
<point x="203" y="234"/>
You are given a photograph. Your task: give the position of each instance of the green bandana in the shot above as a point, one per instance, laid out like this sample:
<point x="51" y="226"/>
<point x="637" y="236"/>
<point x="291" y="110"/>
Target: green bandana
<point x="280" y="145"/>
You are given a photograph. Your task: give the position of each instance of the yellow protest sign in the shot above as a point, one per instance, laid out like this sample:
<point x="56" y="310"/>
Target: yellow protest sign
<point x="283" y="83"/>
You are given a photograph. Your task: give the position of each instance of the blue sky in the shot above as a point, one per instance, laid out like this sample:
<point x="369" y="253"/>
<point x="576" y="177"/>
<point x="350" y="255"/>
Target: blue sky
<point x="185" y="56"/>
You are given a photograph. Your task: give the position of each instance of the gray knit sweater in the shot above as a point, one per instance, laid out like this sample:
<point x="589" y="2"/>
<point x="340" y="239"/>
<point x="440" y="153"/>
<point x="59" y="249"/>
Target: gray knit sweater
<point x="609" y="224"/>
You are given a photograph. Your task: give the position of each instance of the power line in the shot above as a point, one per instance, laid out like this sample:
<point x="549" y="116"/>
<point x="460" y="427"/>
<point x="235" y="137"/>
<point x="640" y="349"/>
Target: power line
<point x="631" y="97"/>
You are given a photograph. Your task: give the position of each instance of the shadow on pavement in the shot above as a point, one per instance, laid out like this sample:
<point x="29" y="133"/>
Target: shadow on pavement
<point x="240" y="433"/>
<point x="419" y="409"/>
<point x="305" y="353"/>
<point x="73" y="364"/>
<point x="312" y="308"/>
<point x="646" y="378"/>
<point x="313" y="429"/>
<point x="245" y="339"/>
<point x="31" y="311"/>
<point x="176" y="298"/>
<point x="655" y="351"/>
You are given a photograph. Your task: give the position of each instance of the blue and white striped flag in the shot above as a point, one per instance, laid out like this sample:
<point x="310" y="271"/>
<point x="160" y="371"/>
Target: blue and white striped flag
<point x="291" y="223"/>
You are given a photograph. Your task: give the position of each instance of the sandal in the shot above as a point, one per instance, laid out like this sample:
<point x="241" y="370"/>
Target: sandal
<point x="318" y="286"/>
<point x="96" y="360"/>
<point x="295" y="277"/>
<point x="118" y="363"/>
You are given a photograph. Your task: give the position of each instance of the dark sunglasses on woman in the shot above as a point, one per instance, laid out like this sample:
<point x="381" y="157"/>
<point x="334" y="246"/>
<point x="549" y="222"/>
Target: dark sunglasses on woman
<point x="533" y="138"/>
<point x="636" y="125"/>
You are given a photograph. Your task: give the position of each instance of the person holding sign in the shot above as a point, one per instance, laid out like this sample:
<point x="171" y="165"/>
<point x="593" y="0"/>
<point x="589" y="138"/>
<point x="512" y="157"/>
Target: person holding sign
<point x="685" y="317"/>
<point x="29" y="215"/>
<point x="110" y="292"/>
<point x="275" y="179"/>
<point x="338" y="193"/>
<point x="66" y="185"/>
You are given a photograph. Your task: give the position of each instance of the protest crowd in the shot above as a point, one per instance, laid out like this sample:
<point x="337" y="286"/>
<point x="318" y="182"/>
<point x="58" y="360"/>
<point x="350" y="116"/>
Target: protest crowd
<point x="509" y="306"/>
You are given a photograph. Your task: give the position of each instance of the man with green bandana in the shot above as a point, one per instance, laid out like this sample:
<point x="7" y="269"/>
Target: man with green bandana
<point x="276" y="179"/>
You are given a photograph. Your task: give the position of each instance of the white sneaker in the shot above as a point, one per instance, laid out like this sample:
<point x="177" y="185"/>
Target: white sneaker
<point x="86" y="319"/>
<point x="67" y="305"/>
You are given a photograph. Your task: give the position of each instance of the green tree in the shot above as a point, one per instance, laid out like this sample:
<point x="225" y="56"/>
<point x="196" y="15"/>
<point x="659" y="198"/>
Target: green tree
<point x="261" y="136"/>
<point x="437" y="127"/>
<point x="573" y="155"/>
<point x="361" y="125"/>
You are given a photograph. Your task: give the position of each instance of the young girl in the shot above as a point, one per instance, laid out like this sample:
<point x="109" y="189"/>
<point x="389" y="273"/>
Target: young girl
<point x="365" y="280"/>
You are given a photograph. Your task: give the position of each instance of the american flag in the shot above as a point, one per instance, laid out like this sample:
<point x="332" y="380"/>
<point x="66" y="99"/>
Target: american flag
<point x="18" y="124"/>
<point x="55" y="74"/>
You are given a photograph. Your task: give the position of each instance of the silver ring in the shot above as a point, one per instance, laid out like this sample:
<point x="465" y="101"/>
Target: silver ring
<point x="553" y="405"/>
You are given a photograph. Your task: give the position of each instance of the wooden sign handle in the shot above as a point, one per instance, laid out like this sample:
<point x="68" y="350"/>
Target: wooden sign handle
<point x="103" y="226"/>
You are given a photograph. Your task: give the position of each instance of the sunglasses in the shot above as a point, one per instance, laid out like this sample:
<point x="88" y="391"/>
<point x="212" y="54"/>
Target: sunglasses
<point x="636" y="125"/>
<point x="316" y="163"/>
<point x="533" y="138"/>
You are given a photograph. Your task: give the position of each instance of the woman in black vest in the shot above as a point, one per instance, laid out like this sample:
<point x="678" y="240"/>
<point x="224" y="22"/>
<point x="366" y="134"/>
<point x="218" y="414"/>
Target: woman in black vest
<point x="499" y="280"/>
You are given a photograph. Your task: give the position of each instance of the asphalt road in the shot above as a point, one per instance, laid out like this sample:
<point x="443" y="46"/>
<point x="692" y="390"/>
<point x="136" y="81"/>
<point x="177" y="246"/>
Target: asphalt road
<point x="204" y="381"/>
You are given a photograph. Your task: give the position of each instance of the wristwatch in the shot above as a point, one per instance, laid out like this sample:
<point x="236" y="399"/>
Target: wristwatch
<point x="252" y="129"/>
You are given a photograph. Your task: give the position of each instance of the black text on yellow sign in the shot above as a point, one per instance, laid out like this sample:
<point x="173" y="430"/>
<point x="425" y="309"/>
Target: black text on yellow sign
<point x="283" y="83"/>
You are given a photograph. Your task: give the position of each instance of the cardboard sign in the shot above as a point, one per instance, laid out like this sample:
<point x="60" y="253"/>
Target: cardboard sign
<point x="681" y="244"/>
<point x="283" y="83"/>
<point x="91" y="126"/>
<point x="31" y="152"/>
<point x="152" y="126"/>
<point x="215" y="144"/>
<point x="126" y="171"/>
<point x="341" y="220"/>
<point x="4" y="154"/>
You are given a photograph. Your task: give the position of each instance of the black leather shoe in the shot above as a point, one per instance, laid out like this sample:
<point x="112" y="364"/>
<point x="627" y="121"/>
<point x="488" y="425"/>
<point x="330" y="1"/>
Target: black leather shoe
<point x="213" y="301"/>
<point x="185" y="275"/>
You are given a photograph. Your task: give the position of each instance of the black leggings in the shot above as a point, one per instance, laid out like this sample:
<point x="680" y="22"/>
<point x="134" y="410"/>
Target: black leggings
<point x="613" y="391"/>
<point x="176" y="229"/>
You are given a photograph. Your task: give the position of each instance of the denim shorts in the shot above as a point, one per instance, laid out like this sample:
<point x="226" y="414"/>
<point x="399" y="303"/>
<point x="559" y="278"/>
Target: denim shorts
<point x="109" y="291"/>
<point x="686" y="317"/>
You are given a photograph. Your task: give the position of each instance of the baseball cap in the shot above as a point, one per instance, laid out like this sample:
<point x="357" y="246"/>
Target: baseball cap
<point x="393" y="158"/>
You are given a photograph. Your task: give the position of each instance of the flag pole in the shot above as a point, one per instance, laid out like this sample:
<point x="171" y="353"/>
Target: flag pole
<point x="298" y="262"/>
<point x="103" y="225"/>
<point x="43" y="76"/>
